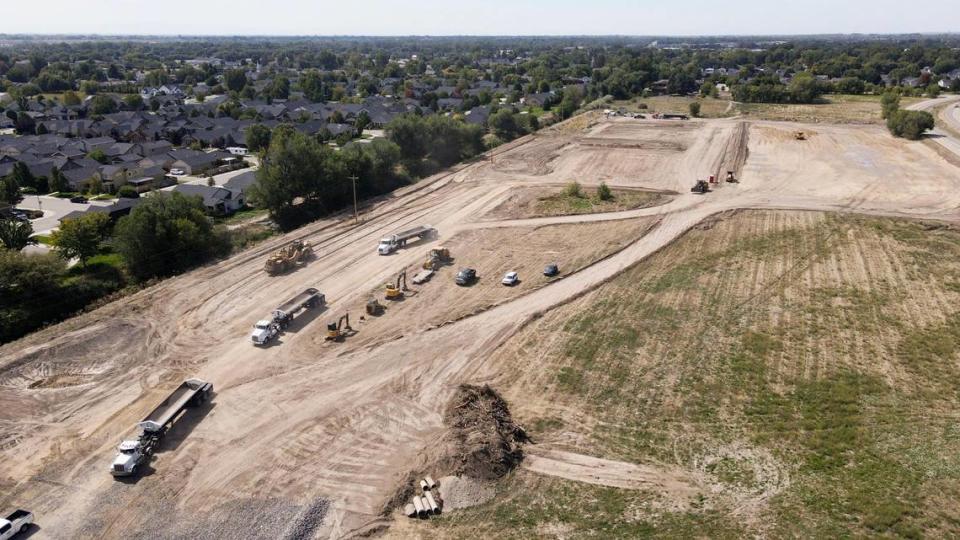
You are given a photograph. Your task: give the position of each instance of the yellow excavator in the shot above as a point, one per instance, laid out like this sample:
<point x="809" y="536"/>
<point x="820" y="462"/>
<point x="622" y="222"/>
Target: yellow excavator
<point x="395" y="290"/>
<point x="800" y="136"/>
<point x="340" y="329"/>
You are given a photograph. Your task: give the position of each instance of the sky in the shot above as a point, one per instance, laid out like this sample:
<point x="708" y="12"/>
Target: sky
<point x="480" y="17"/>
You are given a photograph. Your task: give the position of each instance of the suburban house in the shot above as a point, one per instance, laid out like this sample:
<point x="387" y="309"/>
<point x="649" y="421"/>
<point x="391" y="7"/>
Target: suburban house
<point x="193" y="162"/>
<point x="216" y="199"/>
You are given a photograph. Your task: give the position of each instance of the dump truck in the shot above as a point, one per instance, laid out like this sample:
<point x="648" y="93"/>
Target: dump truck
<point x="16" y="523"/>
<point x="266" y="329"/>
<point x="132" y="453"/>
<point x="288" y="257"/>
<point x="389" y="244"/>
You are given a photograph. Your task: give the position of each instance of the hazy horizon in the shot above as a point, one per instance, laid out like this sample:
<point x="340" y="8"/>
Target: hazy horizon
<point x="554" y="18"/>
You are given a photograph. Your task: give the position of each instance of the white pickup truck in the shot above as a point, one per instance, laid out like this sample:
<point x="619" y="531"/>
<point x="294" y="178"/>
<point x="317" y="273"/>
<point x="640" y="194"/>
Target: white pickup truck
<point x="17" y="522"/>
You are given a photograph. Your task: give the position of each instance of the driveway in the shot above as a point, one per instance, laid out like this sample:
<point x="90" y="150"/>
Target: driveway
<point x="53" y="209"/>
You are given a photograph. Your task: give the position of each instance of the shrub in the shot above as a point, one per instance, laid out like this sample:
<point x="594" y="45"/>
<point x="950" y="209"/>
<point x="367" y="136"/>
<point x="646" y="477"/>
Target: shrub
<point x="604" y="193"/>
<point x="128" y="192"/>
<point x="573" y="189"/>
<point x="909" y="124"/>
<point x="695" y="109"/>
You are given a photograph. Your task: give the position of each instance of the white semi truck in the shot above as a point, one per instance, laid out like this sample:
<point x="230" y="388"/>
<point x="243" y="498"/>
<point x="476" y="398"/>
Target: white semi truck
<point x="389" y="244"/>
<point x="17" y="522"/>
<point x="280" y="318"/>
<point x="132" y="453"/>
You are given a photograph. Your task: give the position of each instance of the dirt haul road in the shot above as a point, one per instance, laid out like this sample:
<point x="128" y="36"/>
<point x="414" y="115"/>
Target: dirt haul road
<point x="306" y="421"/>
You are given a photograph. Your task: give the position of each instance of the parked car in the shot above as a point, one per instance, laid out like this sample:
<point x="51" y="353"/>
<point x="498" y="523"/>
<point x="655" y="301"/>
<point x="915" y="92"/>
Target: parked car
<point x="551" y="270"/>
<point x="466" y="276"/>
<point x="78" y="199"/>
<point x="17" y="522"/>
<point x="510" y="279"/>
<point x="177" y="172"/>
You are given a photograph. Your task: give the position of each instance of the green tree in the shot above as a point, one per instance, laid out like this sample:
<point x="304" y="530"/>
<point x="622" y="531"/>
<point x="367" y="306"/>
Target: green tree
<point x="167" y="233"/>
<point x="909" y="124"/>
<point x="128" y="192"/>
<point x="98" y="155"/>
<point x="235" y="79"/>
<point x="58" y="182"/>
<point x="10" y="190"/>
<point x="102" y="104"/>
<point x="889" y="102"/>
<point x="257" y="137"/>
<point x="503" y="123"/>
<point x="297" y="166"/>
<point x="133" y="102"/>
<point x="22" y="176"/>
<point x="15" y="234"/>
<point x="80" y="237"/>
<point x="695" y="109"/>
<point x="407" y="131"/>
<point x="572" y="96"/>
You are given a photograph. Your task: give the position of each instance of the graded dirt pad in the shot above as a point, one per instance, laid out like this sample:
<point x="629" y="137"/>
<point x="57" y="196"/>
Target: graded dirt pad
<point x="549" y="201"/>
<point x="492" y="252"/>
<point x="303" y="420"/>
<point x="799" y="366"/>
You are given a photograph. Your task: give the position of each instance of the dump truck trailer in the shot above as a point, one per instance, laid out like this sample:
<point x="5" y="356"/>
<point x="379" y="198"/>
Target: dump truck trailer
<point x="153" y="427"/>
<point x="389" y="244"/>
<point x="280" y="318"/>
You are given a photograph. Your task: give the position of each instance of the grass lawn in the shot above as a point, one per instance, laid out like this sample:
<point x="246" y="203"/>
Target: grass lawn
<point x="837" y="109"/>
<point x="709" y="107"/>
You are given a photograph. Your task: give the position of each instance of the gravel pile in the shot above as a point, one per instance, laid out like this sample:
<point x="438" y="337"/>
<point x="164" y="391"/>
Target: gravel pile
<point x="309" y="521"/>
<point x="243" y="518"/>
<point x="464" y="492"/>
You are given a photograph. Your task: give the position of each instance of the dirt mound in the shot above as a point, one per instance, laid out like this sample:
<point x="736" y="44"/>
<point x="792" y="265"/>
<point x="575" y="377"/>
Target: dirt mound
<point x="486" y="442"/>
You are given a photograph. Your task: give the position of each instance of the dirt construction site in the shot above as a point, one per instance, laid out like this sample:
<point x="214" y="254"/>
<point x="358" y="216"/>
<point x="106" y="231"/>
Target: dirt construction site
<point x="314" y="438"/>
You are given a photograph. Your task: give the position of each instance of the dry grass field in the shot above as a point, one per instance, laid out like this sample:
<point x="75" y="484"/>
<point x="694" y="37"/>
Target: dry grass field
<point x="838" y="109"/>
<point x="802" y="366"/>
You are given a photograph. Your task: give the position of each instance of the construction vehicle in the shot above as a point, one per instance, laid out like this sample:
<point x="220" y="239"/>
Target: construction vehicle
<point x="800" y="136"/>
<point x="389" y="244"/>
<point x="280" y="318"/>
<point x="132" y="453"/>
<point x="374" y="307"/>
<point x="731" y="178"/>
<point x="395" y="290"/>
<point x="288" y="257"/>
<point x="436" y="258"/>
<point x="340" y="329"/>
<point x="701" y="187"/>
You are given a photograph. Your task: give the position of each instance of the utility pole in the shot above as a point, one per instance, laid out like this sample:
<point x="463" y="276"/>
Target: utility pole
<point x="356" y="218"/>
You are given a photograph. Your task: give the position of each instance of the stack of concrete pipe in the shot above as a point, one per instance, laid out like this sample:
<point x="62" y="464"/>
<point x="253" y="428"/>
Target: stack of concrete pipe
<point x="425" y="504"/>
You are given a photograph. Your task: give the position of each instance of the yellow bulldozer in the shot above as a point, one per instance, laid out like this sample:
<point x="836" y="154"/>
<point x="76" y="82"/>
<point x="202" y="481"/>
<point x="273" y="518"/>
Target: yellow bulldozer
<point x="436" y="258"/>
<point x="339" y="330"/>
<point x="395" y="290"/>
<point x="288" y="257"/>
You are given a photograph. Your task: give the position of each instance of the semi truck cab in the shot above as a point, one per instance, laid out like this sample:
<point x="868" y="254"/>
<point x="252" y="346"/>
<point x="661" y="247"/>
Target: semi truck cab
<point x="263" y="332"/>
<point x="129" y="455"/>
<point x="387" y="245"/>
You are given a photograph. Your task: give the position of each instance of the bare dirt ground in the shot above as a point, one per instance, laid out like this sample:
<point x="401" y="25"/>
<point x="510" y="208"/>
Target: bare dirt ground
<point x="492" y="253"/>
<point x="303" y="421"/>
